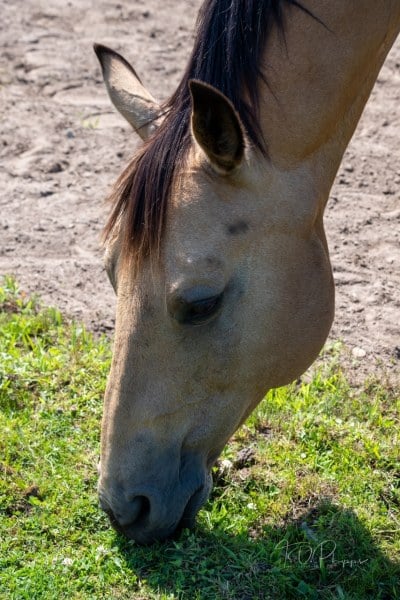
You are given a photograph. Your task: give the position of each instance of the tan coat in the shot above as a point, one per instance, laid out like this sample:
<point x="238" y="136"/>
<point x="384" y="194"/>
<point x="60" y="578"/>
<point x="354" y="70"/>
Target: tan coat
<point x="242" y="299"/>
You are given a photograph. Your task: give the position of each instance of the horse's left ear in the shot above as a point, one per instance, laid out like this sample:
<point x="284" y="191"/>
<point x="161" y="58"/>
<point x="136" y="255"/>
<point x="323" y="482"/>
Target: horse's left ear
<point x="127" y="92"/>
<point x="217" y="127"/>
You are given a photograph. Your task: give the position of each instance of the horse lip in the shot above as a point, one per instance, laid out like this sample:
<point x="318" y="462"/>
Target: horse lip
<point x="191" y="509"/>
<point x="194" y="504"/>
<point x="144" y="536"/>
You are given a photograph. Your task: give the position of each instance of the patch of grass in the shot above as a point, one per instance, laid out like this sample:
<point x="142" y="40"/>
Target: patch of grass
<point x="306" y="502"/>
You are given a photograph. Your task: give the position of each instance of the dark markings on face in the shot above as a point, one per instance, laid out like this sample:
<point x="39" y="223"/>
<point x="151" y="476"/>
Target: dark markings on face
<point x="237" y="228"/>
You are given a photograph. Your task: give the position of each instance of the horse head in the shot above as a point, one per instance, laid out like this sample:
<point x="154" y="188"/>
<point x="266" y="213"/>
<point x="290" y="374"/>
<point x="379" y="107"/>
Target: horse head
<point x="240" y="300"/>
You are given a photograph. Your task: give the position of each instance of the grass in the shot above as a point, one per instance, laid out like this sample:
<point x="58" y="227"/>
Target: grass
<point x="306" y="502"/>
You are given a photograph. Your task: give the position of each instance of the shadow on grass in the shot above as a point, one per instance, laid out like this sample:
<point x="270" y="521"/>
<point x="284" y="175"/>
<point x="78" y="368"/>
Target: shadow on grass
<point x="325" y="553"/>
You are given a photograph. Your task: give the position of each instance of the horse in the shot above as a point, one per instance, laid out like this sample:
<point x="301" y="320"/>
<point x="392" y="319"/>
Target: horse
<point x="215" y="244"/>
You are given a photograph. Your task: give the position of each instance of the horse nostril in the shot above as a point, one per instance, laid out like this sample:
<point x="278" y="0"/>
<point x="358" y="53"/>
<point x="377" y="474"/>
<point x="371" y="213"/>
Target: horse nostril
<point x="145" y="508"/>
<point x="137" y="510"/>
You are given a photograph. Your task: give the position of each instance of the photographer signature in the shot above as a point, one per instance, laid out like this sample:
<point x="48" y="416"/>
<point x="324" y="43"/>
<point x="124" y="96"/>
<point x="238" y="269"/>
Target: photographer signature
<point x="324" y="552"/>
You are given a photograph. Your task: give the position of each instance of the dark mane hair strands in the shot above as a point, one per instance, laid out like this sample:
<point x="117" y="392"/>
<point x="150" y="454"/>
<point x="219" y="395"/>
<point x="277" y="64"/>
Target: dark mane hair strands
<point x="230" y="39"/>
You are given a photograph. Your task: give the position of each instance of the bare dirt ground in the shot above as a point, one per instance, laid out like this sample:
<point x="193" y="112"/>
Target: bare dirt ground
<point x="62" y="145"/>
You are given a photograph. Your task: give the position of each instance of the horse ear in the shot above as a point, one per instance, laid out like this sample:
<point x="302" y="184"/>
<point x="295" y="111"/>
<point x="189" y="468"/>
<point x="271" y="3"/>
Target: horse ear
<point x="127" y="93"/>
<point x="217" y="127"/>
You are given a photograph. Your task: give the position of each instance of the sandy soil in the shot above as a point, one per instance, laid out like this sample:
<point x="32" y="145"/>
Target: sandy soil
<point x="62" y="145"/>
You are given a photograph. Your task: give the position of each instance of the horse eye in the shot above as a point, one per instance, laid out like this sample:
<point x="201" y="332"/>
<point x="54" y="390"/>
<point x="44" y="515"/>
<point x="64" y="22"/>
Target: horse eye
<point x="197" y="312"/>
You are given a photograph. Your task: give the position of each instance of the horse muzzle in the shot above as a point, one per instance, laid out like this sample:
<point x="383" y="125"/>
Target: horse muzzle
<point x="149" y="514"/>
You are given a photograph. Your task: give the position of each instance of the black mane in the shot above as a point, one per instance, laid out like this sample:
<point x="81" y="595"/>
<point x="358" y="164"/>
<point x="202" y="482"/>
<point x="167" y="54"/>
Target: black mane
<point x="230" y="39"/>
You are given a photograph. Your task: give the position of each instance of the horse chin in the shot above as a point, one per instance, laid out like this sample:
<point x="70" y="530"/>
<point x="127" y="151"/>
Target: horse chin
<point x="188" y="519"/>
<point x="194" y="505"/>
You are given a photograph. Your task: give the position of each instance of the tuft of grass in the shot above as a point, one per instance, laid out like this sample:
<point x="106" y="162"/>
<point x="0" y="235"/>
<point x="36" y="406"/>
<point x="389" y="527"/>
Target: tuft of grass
<point x="306" y="502"/>
<point x="90" y="122"/>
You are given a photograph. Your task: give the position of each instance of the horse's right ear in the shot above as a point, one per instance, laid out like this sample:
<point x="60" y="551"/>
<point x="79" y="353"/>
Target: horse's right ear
<point x="127" y="93"/>
<point x="217" y="127"/>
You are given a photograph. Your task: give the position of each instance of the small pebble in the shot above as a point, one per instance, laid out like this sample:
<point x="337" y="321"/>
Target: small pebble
<point x="358" y="352"/>
<point x="55" y="168"/>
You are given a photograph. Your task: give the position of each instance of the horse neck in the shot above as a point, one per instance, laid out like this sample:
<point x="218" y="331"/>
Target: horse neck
<point x="320" y="77"/>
